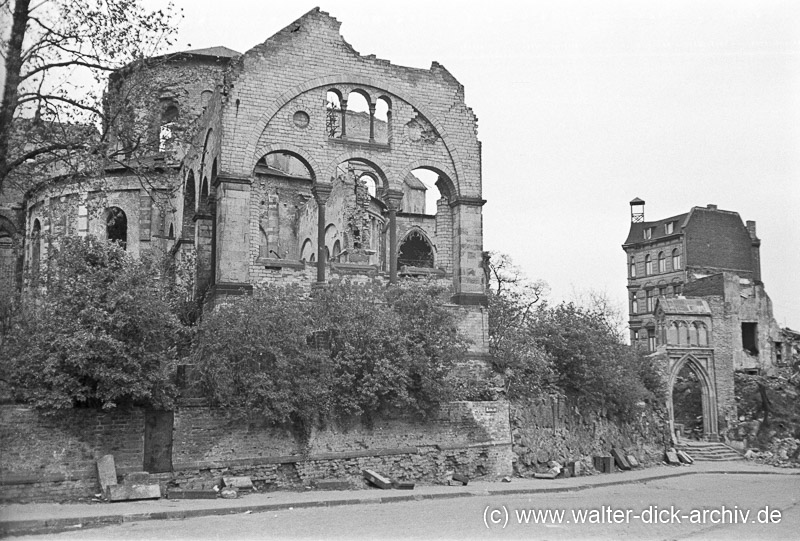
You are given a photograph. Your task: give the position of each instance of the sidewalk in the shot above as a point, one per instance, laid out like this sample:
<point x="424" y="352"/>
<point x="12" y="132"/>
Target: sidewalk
<point x="20" y="519"/>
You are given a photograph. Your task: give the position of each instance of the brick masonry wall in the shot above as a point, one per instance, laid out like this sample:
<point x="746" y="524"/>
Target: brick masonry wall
<point x="54" y="458"/>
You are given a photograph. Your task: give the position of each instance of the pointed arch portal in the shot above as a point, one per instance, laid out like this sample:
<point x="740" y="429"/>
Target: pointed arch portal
<point x="700" y="367"/>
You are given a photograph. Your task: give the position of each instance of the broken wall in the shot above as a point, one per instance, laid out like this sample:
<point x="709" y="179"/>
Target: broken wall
<point x="53" y="458"/>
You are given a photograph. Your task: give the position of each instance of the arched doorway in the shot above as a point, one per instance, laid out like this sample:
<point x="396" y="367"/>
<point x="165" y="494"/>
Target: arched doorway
<point x="687" y="403"/>
<point x="692" y="400"/>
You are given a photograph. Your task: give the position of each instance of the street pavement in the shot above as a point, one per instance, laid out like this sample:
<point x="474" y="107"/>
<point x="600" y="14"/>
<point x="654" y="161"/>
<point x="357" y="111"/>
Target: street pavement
<point x="22" y="519"/>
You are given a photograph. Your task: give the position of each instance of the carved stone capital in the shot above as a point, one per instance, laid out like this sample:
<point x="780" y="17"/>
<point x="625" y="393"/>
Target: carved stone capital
<point x="321" y="193"/>
<point x="393" y="198"/>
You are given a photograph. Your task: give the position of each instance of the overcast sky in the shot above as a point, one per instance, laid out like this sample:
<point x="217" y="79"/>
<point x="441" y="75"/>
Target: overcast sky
<point x="585" y="105"/>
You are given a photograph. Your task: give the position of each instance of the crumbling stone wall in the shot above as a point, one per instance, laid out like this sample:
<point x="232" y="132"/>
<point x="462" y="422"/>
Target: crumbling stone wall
<point x="554" y="429"/>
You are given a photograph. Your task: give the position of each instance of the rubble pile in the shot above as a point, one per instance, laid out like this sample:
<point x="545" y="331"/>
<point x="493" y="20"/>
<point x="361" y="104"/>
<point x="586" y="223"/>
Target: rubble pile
<point x="782" y="452"/>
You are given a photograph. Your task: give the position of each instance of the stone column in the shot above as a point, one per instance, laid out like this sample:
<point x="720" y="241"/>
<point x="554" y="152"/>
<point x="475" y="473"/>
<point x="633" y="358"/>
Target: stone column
<point x="344" y="119"/>
<point x="393" y="199"/>
<point x="321" y="193"/>
<point x="371" y="122"/>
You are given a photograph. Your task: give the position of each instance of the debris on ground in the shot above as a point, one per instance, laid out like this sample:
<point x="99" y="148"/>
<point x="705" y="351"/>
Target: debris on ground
<point x="377" y="479"/>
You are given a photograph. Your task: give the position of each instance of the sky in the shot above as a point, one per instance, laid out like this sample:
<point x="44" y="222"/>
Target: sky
<point x="585" y="105"/>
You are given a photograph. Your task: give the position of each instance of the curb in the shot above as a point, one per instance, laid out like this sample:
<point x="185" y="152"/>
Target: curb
<point x="29" y="527"/>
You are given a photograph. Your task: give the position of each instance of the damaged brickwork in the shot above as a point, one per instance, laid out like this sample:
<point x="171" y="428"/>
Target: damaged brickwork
<point x="53" y="458"/>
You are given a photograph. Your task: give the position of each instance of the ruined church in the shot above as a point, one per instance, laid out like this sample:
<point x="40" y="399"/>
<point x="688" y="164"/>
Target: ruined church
<point x="297" y="162"/>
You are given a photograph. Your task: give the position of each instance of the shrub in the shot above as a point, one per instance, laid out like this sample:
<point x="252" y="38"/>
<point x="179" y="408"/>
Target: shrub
<point x="98" y="331"/>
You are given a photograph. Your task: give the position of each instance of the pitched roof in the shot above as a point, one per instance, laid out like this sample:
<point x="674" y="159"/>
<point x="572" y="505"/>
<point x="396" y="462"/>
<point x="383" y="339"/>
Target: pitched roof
<point x="683" y="306"/>
<point x="218" y="51"/>
<point x="636" y="233"/>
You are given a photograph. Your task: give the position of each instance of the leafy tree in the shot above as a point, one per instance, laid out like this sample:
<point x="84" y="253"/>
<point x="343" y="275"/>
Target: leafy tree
<point x="571" y="350"/>
<point x="591" y="363"/>
<point x="98" y="331"/>
<point x="48" y="124"/>
<point x="512" y="300"/>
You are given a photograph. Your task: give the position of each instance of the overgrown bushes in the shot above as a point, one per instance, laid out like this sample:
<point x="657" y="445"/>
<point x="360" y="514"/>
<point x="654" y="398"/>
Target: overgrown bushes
<point x="97" y="330"/>
<point x="345" y="350"/>
<point x="565" y="349"/>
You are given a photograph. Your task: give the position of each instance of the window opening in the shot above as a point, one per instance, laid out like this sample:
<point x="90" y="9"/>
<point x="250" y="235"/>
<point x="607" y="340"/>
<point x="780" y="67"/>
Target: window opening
<point x="662" y="262"/>
<point x="750" y="338"/>
<point x="633" y="267"/>
<point x="415" y="251"/>
<point x="117" y="226"/>
<point x="650" y="300"/>
<point x="676" y="259"/>
<point x="333" y="114"/>
<point x="359" y="125"/>
<point x="648" y="265"/>
<point x="166" y="134"/>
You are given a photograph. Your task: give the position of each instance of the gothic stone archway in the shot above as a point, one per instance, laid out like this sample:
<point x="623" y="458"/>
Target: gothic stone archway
<point x="704" y="368"/>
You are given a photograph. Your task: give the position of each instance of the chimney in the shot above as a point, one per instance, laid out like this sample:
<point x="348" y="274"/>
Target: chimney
<point x="751" y="228"/>
<point x="711" y="207"/>
<point x="755" y="250"/>
<point x="637" y="211"/>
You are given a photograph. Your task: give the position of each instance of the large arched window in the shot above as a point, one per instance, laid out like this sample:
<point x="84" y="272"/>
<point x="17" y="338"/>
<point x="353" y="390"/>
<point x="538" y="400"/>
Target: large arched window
<point x="415" y="251"/>
<point x="662" y="262"/>
<point x="634" y="304"/>
<point x="648" y="265"/>
<point x="117" y="226"/>
<point x="369" y="181"/>
<point x="676" y="259"/>
<point x="633" y="267"/>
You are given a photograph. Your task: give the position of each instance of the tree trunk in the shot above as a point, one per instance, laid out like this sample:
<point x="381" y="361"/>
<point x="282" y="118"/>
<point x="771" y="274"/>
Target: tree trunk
<point x="10" y="91"/>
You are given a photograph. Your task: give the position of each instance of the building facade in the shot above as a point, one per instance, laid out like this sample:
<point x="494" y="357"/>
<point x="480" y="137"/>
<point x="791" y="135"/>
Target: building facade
<point x="664" y="255"/>
<point x="697" y="301"/>
<point x="295" y="162"/>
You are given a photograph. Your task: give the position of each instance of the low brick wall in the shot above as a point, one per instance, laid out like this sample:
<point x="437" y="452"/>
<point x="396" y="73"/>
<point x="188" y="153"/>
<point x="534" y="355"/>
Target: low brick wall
<point x="53" y="457"/>
<point x="47" y="458"/>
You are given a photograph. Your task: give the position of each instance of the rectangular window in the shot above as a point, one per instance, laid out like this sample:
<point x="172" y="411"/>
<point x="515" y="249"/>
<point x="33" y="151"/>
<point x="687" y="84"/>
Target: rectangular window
<point x="669" y="228"/>
<point x="651" y="339"/>
<point x="648" y="233"/>
<point x="662" y="291"/>
<point x="750" y="338"/>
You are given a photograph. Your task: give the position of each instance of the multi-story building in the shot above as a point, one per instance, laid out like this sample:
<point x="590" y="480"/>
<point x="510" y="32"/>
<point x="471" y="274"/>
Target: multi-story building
<point x="663" y="255"/>
<point x="697" y="301"/>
